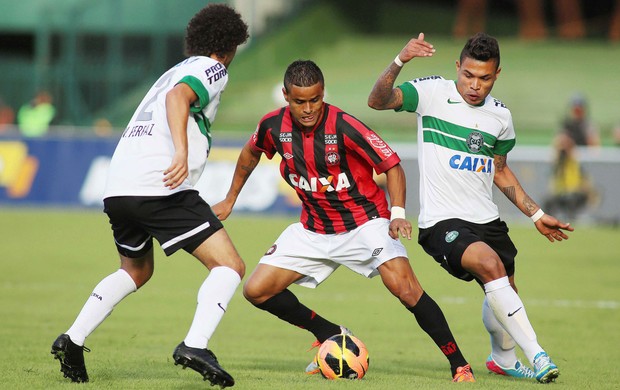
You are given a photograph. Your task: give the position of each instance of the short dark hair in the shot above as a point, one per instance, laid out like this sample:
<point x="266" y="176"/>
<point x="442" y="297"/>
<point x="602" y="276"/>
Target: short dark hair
<point x="217" y="28"/>
<point x="481" y="47"/>
<point x="302" y="73"/>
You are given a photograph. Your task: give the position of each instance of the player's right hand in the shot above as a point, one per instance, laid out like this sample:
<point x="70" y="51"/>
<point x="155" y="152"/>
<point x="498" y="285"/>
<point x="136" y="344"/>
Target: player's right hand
<point x="416" y="47"/>
<point x="222" y="209"/>
<point x="177" y="172"/>
<point x="400" y="227"/>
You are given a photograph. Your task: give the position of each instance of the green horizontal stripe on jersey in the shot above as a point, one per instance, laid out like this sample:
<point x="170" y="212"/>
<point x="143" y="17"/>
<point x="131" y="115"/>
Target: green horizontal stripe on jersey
<point x="454" y="136"/>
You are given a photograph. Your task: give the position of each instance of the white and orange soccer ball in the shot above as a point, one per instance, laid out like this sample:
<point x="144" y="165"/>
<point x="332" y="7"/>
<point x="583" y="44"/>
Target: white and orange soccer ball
<point x="343" y="356"/>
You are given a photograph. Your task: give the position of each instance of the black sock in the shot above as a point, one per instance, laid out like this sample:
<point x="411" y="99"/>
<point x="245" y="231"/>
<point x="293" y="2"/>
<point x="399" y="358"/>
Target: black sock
<point x="287" y="307"/>
<point x="433" y="322"/>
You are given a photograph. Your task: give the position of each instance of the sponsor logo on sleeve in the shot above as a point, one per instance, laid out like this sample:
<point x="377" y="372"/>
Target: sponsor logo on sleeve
<point x="379" y="144"/>
<point x="216" y="72"/>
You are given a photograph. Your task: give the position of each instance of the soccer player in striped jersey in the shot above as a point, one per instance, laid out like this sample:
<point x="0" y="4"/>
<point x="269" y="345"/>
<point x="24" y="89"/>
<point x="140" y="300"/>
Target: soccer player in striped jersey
<point x="464" y="135"/>
<point x="328" y="157"/>
<point x="150" y="194"/>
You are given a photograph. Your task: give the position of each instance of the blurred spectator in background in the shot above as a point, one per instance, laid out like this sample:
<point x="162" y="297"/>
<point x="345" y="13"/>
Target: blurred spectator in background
<point x="577" y="126"/>
<point x="571" y="188"/>
<point x="614" y="27"/>
<point x="7" y="116"/>
<point x="470" y="17"/>
<point x="615" y="133"/>
<point x="102" y="127"/>
<point x="34" y="118"/>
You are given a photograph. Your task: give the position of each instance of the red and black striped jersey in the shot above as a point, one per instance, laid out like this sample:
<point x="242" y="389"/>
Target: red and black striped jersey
<point x="330" y="167"/>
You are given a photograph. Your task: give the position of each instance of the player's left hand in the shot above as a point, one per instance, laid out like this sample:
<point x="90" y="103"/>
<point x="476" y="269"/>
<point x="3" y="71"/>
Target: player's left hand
<point x="400" y="227"/>
<point x="551" y="227"/>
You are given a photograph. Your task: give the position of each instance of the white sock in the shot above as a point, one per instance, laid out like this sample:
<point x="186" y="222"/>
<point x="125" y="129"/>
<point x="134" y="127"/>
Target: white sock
<point x="510" y="312"/>
<point x="110" y="291"/>
<point x="213" y="297"/>
<point x="502" y="344"/>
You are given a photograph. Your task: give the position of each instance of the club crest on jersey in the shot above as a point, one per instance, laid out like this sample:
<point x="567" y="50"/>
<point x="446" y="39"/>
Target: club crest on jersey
<point x="271" y="250"/>
<point x="475" y="141"/>
<point x="320" y="184"/>
<point x="332" y="158"/>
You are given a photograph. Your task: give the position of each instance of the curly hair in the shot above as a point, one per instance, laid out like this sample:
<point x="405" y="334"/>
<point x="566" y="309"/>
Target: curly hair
<point x="303" y="73"/>
<point x="217" y="28"/>
<point x="481" y="47"/>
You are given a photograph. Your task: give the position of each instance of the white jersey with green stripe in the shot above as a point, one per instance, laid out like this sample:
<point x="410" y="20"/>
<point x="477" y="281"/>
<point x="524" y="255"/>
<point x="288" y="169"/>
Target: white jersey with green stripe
<point x="145" y="149"/>
<point x="456" y="146"/>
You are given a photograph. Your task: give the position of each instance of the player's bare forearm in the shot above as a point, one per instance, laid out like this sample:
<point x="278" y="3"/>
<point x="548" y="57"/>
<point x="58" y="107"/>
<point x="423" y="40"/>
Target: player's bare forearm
<point x="247" y="161"/>
<point x="397" y="190"/>
<point x="396" y="184"/>
<point x="178" y="101"/>
<point x="508" y="183"/>
<point x="383" y="95"/>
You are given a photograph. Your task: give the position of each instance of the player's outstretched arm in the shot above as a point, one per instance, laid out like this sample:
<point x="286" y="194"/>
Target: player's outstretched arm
<point x="247" y="161"/>
<point x="508" y="183"/>
<point x="383" y="95"/>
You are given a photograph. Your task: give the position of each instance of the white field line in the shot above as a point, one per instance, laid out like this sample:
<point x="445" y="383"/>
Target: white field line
<point x="561" y="303"/>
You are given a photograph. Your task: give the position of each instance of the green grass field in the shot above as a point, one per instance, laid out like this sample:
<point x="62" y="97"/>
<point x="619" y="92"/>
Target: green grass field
<point x="52" y="259"/>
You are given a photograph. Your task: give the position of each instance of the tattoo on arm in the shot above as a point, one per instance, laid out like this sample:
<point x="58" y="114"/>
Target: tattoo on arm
<point x="500" y="162"/>
<point x="530" y="205"/>
<point x="249" y="167"/>
<point x="383" y="92"/>
<point x="510" y="193"/>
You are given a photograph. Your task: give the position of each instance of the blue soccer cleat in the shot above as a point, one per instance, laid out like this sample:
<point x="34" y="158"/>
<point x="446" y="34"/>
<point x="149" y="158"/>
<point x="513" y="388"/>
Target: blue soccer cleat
<point x="519" y="370"/>
<point x="546" y="370"/>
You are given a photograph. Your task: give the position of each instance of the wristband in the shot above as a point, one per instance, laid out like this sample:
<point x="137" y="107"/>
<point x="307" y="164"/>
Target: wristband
<point x="397" y="212"/>
<point x="398" y="62"/>
<point x="537" y="215"/>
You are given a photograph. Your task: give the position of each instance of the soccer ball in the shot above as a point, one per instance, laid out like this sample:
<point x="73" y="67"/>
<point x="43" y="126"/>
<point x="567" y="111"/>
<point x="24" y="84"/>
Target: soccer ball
<point x="343" y="356"/>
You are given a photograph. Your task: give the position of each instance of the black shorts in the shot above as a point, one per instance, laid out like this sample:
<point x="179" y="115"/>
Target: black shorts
<point x="447" y="241"/>
<point x="181" y="220"/>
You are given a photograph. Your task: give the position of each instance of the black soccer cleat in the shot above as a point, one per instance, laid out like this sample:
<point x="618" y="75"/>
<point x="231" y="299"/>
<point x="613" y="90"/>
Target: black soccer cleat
<point x="71" y="358"/>
<point x="204" y="362"/>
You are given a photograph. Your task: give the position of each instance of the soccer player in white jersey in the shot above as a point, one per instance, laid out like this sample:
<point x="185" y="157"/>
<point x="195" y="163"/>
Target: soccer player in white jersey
<point x="464" y="135"/>
<point x="150" y="194"/>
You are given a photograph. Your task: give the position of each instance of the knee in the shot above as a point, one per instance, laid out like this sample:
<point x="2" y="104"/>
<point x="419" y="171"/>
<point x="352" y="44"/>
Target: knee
<point x="408" y="292"/>
<point x="490" y="268"/>
<point x="253" y="292"/>
<point x="140" y="276"/>
<point x="239" y="267"/>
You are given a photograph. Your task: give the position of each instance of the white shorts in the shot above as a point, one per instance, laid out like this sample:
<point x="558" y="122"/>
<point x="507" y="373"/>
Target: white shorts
<point x="316" y="255"/>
